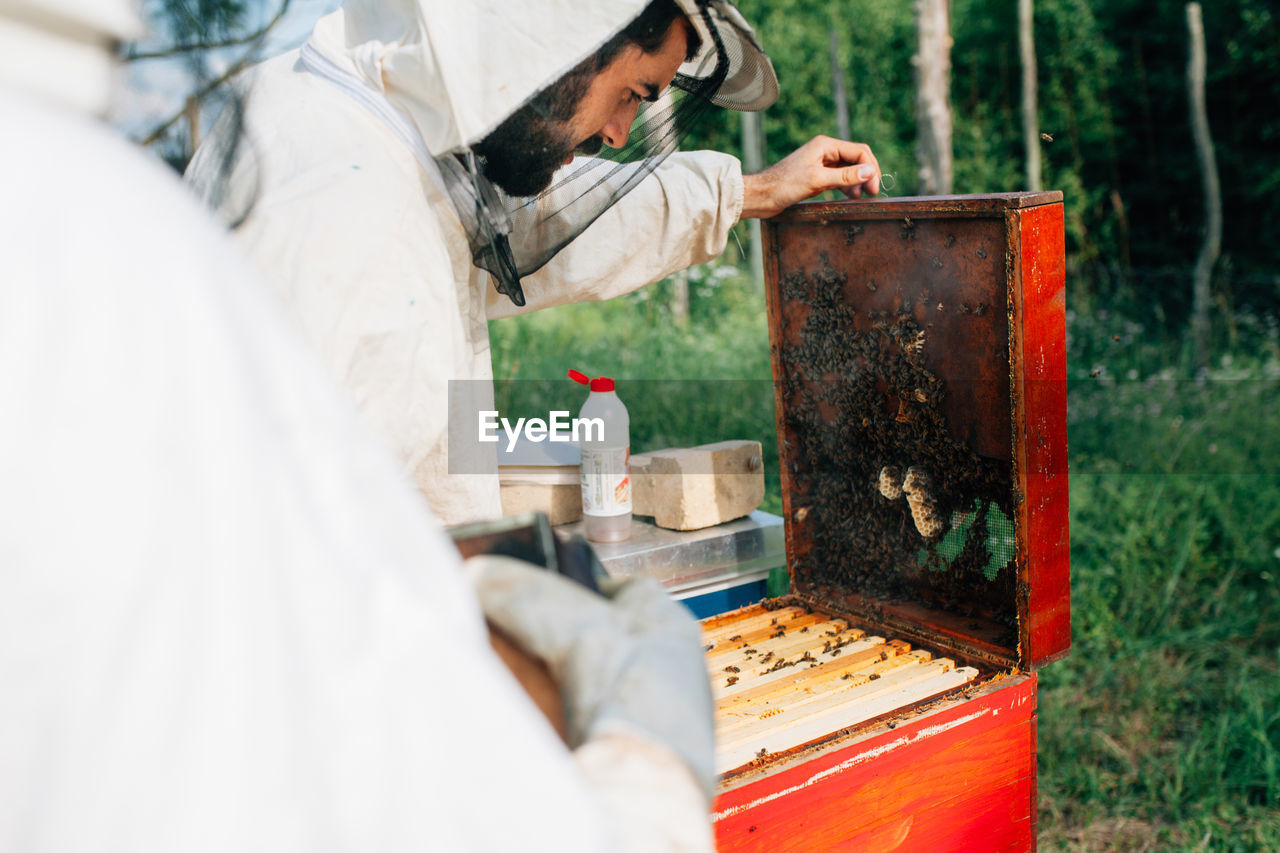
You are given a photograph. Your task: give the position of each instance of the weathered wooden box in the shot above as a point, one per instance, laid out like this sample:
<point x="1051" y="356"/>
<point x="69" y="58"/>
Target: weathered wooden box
<point x="888" y="703"/>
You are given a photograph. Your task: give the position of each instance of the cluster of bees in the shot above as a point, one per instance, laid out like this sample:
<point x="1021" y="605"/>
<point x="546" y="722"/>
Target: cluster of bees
<point x="772" y="662"/>
<point x="863" y="427"/>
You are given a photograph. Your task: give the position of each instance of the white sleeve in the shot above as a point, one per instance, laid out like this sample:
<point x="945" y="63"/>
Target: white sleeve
<point x="651" y="797"/>
<point x="676" y="217"/>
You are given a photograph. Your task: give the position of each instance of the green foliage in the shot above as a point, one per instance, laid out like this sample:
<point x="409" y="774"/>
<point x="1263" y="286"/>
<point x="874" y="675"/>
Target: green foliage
<point x="878" y="80"/>
<point x="1112" y="102"/>
<point x="1161" y="729"/>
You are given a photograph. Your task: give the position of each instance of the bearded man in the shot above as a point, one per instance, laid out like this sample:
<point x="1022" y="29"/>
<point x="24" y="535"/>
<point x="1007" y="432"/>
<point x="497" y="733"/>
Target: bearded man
<point x="410" y="174"/>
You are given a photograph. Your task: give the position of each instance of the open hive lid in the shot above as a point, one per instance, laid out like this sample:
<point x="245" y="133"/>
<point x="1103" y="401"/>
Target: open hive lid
<point x="920" y="343"/>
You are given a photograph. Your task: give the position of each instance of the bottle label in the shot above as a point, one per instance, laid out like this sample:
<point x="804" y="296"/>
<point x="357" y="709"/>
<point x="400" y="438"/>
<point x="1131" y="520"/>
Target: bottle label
<point x="606" y="481"/>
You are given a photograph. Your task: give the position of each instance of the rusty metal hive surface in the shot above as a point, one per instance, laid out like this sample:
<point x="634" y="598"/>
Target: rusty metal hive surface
<point x="890" y="325"/>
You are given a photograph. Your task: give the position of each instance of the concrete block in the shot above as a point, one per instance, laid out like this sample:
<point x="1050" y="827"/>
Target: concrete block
<point x="696" y="487"/>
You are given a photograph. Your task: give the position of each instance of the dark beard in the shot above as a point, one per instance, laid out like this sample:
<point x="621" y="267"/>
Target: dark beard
<point x="522" y="155"/>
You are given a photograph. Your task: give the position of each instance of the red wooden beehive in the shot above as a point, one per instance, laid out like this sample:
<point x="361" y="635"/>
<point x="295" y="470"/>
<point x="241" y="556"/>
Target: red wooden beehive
<point x="918" y="351"/>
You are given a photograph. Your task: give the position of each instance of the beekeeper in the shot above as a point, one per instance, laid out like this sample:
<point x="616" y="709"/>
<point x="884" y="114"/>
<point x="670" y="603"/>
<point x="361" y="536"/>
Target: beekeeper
<point x="410" y="173"/>
<point x="226" y="621"/>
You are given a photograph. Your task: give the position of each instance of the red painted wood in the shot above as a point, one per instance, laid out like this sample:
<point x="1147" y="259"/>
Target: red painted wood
<point x="1035" y="777"/>
<point x="959" y="779"/>
<point x="1046" y="620"/>
<point x="1014" y="412"/>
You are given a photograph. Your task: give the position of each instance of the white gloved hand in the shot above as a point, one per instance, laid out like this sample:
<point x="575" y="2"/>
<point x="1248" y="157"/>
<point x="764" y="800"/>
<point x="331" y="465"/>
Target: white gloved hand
<point x="630" y="660"/>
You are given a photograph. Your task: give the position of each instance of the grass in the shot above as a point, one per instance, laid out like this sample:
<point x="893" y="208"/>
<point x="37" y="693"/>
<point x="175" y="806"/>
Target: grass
<point x="1161" y="731"/>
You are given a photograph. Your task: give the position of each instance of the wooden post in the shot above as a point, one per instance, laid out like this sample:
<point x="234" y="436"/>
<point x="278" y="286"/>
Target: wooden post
<point x="1030" y="122"/>
<point x="1209" y="182"/>
<point x="753" y="161"/>
<point x="933" y="104"/>
<point x="838" y="88"/>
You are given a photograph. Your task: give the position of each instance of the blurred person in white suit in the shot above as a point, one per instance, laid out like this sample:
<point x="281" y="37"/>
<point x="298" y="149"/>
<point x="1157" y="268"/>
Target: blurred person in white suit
<point x="226" y="620"/>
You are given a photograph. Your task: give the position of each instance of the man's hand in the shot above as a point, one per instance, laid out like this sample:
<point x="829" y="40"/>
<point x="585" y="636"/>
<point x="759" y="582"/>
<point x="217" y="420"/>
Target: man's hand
<point x="820" y="164"/>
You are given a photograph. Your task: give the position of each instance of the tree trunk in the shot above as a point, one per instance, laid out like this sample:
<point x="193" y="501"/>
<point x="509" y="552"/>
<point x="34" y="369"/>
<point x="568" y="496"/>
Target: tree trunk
<point x="933" y="104"/>
<point x="752" y="162"/>
<point x="680" y="297"/>
<point x="1030" y="121"/>
<point x="838" y="88"/>
<point x="1209" y="182"/>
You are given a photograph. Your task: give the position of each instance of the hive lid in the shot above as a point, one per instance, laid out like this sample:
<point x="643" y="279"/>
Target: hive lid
<point x="918" y="350"/>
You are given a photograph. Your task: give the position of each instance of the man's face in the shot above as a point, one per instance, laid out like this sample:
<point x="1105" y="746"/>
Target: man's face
<point x="523" y="154"/>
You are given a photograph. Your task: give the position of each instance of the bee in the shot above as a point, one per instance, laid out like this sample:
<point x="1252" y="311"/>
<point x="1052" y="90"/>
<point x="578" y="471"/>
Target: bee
<point x="804" y="630"/>
<point x="761" y="754"/>
<point x="708" y="647"/>
<point x="735" y="637"/>
<point x="732" y="680"/>
<point x="1093" y="374"/>
<point x="732" y="669"/>
<point x="1047" y="137"/>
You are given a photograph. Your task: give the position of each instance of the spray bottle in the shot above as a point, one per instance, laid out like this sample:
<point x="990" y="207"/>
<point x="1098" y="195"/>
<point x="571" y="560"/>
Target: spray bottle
<point x="606" y="458"/>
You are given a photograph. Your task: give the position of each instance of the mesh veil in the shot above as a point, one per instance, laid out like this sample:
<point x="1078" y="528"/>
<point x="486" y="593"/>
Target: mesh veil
<point x="511" y="237"/>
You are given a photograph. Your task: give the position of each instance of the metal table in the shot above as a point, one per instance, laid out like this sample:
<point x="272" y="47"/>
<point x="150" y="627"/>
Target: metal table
<point x="711" y="570"/>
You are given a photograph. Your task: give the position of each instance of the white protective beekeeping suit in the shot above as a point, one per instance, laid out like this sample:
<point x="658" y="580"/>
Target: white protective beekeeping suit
<point x="356" y="235"/>
<point x="226" y="622"/>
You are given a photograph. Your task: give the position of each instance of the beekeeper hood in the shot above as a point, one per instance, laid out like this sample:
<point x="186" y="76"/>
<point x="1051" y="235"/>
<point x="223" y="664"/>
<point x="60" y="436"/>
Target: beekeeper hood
<point x="63" y="50"/>
<point x="446" y="74"/>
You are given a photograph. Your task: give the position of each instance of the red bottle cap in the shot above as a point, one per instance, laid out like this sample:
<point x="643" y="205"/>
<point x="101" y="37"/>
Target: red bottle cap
<point x="600" y="383"/>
